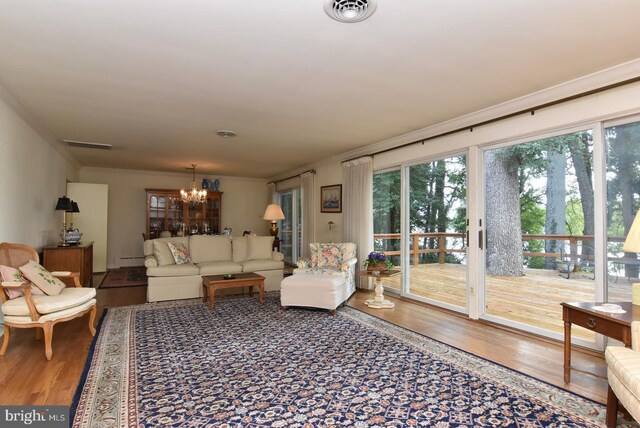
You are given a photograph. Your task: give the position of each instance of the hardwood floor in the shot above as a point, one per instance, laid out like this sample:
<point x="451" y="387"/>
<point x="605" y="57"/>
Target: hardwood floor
<point x="27" y="378"/>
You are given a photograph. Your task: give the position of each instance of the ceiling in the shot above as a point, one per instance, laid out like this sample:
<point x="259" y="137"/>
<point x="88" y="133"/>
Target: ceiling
<point x="158" y="79"/>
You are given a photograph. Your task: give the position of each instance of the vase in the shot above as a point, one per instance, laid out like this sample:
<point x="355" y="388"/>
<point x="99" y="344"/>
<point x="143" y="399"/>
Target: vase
<point x="379" y="268"/>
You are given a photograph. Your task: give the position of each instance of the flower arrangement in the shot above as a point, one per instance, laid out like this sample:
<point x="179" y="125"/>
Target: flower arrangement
<point x="377" y="260"/>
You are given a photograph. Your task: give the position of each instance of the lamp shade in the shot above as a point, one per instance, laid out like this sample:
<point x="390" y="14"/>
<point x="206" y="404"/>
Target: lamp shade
<point x="632" y="243"/>
<point x="63" y="204"/>
<point x="273" y="213"/>
<point x="74" y="207"/>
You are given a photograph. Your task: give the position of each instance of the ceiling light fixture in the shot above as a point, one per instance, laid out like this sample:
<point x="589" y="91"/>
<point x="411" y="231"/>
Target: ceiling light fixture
<point x="350" y="10"/>
<point x="193" y="196"/>
<point x="226" y="134"/>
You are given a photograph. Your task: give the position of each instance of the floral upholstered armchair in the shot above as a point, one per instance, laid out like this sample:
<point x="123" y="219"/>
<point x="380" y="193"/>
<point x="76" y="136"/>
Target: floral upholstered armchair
<point x="331" y="259"/>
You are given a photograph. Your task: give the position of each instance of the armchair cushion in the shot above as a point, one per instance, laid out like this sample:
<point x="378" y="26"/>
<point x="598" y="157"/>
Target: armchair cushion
<point x="68" y="298"/>
<point x="53" y="315"/>
<point x="42" y="278"/>
<point x="331" y="255"/>
<point x="11" y="274"/>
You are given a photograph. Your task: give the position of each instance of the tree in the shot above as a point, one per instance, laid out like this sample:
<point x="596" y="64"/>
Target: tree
<point x="555" y="214"/>
<point x="504" y="237"/>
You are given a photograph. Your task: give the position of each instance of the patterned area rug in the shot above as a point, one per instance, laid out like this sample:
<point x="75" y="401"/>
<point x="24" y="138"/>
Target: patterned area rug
<point x="125" y="277"/>
<point x="250" y="365"/>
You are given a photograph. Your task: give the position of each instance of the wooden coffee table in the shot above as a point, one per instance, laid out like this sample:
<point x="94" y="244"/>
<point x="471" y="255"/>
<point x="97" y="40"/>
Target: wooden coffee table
<point x="211" y="283"/>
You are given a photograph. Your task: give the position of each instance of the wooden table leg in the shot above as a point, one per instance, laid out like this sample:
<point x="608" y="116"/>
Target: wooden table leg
<point x="212" y="297"/>
<point x="261" y="287"/>
<point x="204" y="292"/>
<point x="567" y="352"/>
<point x="251" y="291"/>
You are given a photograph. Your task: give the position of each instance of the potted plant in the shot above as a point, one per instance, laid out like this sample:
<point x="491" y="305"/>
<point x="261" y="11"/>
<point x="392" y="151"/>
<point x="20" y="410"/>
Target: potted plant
<point x="377" y="261"/>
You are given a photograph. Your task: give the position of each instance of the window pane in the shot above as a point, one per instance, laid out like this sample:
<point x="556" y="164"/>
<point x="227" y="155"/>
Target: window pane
<point x="386" y="220"/>
<point x="623" y="188"/>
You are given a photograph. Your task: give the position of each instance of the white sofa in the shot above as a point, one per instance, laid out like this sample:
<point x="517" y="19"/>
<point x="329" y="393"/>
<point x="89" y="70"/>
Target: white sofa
<point x="210" y="255"/>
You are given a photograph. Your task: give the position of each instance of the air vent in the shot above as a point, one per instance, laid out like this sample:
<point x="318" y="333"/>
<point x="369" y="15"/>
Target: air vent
<point x="350" y="10"/>
<point x="86" y="145"/>
<point x="226" y="134"/>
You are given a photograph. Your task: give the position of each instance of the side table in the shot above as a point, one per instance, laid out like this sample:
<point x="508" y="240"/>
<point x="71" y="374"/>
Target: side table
<point x="73" y="258"/>
<point x="379" y="302"/>
<point x="616" y="326"/>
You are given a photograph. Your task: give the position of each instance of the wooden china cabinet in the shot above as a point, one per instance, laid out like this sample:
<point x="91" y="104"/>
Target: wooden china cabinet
<point x="167" y="212"/>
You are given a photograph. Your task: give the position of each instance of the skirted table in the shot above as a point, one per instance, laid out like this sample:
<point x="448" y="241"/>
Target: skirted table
<point x="379" y="302"/>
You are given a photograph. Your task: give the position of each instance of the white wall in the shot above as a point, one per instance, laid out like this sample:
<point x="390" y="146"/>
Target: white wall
<point x="243" y="203"/>
<point x="33" y="175"/>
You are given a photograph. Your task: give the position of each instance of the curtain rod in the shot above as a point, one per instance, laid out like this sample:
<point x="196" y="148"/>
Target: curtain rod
<point x="506" y="116"/>
<point x="312" y="171"/>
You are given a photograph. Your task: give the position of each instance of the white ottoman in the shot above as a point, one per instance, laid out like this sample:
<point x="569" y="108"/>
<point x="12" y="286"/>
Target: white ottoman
<point x="315" y="291"/>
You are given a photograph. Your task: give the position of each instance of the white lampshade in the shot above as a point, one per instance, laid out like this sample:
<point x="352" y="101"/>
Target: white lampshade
<point x="632" y="243"/>
<point x="273" y="213"/>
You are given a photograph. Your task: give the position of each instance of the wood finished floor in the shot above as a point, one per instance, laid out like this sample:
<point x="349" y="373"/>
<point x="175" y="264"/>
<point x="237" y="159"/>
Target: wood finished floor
<point x="27" y="378"/>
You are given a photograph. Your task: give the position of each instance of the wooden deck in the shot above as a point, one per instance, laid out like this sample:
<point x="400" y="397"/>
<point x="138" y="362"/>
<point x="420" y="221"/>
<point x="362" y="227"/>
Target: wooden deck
<point x="533" y="299"/>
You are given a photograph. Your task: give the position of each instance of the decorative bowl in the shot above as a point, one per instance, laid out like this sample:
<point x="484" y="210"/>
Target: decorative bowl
<point x="228" y="276"/>
<point x="73" y="237"/>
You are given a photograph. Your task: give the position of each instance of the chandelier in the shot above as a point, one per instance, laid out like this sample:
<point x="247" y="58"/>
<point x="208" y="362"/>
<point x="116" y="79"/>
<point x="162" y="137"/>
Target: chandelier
<point x="193" y="196"/>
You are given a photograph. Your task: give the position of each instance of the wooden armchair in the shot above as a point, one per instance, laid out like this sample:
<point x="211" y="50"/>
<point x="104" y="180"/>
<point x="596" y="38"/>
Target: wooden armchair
<point x="41" y="311"/>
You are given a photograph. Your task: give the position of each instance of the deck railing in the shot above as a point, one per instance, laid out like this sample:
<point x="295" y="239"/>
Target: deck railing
<point x="574" y="243"/>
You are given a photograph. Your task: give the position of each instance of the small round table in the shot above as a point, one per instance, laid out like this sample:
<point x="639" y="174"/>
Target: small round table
<point x="379" y="302"/>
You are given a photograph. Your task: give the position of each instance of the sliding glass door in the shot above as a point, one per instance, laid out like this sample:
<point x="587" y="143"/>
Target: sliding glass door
<point x="539" y="244"/>
<point x="436" y="232"/>
<point x="290" y="233"/>
<point x="387" y="219"/>
<point x="623" y="202"/>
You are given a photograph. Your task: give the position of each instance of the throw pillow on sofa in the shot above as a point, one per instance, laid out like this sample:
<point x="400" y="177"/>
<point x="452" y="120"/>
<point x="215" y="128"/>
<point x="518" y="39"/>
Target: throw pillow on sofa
<point x="42" y="278"/>
<point x="162" y="252"/>
<point x="180" y="253"/>
<point x="259" y="247"/>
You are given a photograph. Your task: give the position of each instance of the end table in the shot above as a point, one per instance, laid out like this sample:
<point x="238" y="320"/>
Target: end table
<point x="379" y="301"/>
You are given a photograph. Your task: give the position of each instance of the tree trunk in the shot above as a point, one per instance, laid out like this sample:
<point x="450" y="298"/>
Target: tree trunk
<point x="556" y="206"/>
<point x="502" y="219"/>
<point x="582" y="163"/>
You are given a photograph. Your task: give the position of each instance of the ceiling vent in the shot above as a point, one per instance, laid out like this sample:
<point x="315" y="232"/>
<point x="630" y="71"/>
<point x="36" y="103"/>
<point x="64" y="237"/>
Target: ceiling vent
<point x="226" y="134"/>
<point x="86" y="145"/>
<point x="350" y="10"/>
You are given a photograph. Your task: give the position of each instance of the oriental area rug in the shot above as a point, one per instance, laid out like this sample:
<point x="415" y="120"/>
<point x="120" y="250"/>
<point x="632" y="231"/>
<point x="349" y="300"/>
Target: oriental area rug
<point x="125" y="277"/>
<point x="178" y="364"/>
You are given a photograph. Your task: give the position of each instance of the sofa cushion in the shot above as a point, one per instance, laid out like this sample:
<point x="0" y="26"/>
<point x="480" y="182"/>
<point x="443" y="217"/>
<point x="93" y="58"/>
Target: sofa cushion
<point x="42" y="278"/>
<point x="219" y="268"/>
<point x="68" y="298"/>
<point x="162" y="252"/>
<point x="205" y="248"/>
<point x="239" y="245"/>
<point x="147" y="247"/>
<point x="259" y="247"/>
<point x="52" y="316"/>
<point x="173" y="270"/>
<point x="256" y="265"/>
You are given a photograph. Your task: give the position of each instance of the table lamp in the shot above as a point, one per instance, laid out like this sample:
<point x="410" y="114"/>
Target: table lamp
<point x="273" y="213"/>
<point x="64" y="205"/>
<point x="632" y="245"/>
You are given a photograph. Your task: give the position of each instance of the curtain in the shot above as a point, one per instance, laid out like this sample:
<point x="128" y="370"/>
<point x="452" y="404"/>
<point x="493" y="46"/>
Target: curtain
<point x="271" y="194"/>
<point x="357" y="207"/>
<point x="307" y="196"/>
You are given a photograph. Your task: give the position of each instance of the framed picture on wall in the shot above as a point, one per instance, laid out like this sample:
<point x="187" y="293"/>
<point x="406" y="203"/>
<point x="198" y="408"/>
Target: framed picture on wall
<point x="331" y="199"/>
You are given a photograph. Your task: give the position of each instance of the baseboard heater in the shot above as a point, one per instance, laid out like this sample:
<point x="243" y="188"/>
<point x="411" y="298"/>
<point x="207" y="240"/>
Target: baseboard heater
<point x="131" y="261"/>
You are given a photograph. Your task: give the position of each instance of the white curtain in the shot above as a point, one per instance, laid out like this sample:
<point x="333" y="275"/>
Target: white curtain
<point x="271" y="193"/>
<point x="357" y="207"/>
<point x="307" y="196"/>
